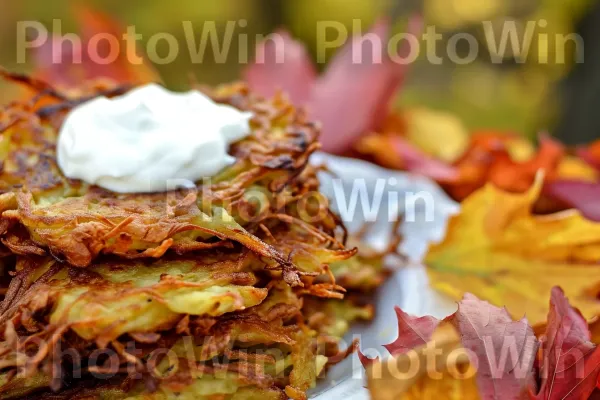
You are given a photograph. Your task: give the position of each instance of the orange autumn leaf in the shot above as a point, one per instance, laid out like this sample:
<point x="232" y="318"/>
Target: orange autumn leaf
<point x="590" y="154"/>
<point x="498" y="250"/>
<point x="490" y="159"/>
<point x="79" y="63"/>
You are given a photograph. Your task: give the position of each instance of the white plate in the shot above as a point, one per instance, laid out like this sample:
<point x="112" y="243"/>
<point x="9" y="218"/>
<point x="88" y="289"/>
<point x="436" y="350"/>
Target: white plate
<point x="408" y="287"/>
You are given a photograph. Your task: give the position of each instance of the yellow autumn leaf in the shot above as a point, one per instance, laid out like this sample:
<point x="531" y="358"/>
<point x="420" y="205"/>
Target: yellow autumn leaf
<point x="575" y="168"/>
<point x="519" y="148"/>
<point x="437" y="133"/>
<point x="440" y="369"/>
<point x="498" y="250"/>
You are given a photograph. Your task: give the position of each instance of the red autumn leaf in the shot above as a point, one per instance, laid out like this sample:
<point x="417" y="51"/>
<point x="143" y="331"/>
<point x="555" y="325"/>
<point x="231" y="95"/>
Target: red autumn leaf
<point x="64" y="63"/>
<point x="349" y="99"/>
<point x="576" y="194"/>
<point x="590" y="154"/>
<point x="364" y="360"/>
<point x="503" y="350"/>
<point x="570" y="361"/>
<point x="412" y="332"/>
<point x="291" y="70"/>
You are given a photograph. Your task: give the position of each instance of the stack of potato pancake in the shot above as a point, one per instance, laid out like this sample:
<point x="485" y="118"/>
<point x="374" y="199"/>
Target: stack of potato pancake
<point x="239" y="288"/>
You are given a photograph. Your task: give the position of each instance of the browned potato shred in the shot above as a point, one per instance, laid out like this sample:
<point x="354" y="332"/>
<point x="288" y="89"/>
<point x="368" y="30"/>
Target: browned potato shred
<point x="220" y="295"/>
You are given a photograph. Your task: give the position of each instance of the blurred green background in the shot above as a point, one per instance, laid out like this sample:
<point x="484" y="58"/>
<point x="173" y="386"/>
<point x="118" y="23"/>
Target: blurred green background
<point x="525" y="98"/>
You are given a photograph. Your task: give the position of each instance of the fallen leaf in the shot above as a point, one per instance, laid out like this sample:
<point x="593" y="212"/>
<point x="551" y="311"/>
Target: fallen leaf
<point x="441" y="369"/>
<point x="570" y="362"/>
<point x="419" y="163"/>
<point x="590" y="154"/>
<point x="503" y="350"/>
<point x="439" y="134"/>
<point x="489" y="159"/>
<point x="349" y="99"/>
<point x="498" y="250"/>
<point x="424" y="143"/>
<point x="282" y="63"/>
<point x="392" y="150"/>
<point x="580" y="195"/>
<point x="573" y="168"/>
<point x="76" y="63"/>
<point x="412" y="332"/>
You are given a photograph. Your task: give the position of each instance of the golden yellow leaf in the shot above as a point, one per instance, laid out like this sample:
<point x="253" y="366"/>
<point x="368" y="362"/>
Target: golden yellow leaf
<point x="575" y="168"/>
<point x="439" y="134"/>
<point x="438" y="370"/>
<point x="519" y="148"/>
<point x="499" y="251"/>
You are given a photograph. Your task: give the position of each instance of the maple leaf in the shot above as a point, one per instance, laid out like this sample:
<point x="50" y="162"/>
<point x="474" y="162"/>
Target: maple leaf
<point x="504" y="349"/>
<point x="498" y="250"/>
<point x="412" y="332"/>
<point x="570" y="361"/>
<point x="491" y="158"/>
<point x="76" y="62"/>
<point x="349" y="99"/>
<point x="295" y="74"/>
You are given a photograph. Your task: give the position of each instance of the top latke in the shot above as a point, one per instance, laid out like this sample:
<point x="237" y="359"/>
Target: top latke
<point x="43" y="212"/>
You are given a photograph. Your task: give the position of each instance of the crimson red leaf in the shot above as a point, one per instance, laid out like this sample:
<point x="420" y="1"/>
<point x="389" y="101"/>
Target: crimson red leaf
<point x="412" y="332"/>
<point x="577" y="194"/>
<point x="570" y="365"/>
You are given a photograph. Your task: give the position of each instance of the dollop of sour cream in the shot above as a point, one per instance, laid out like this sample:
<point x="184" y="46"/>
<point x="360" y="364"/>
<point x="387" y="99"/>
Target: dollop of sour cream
<point x="149" y="139"/>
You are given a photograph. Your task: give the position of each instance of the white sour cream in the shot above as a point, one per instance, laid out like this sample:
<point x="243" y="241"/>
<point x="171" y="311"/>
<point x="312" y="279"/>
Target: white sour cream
<point x="149" y="139"/>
